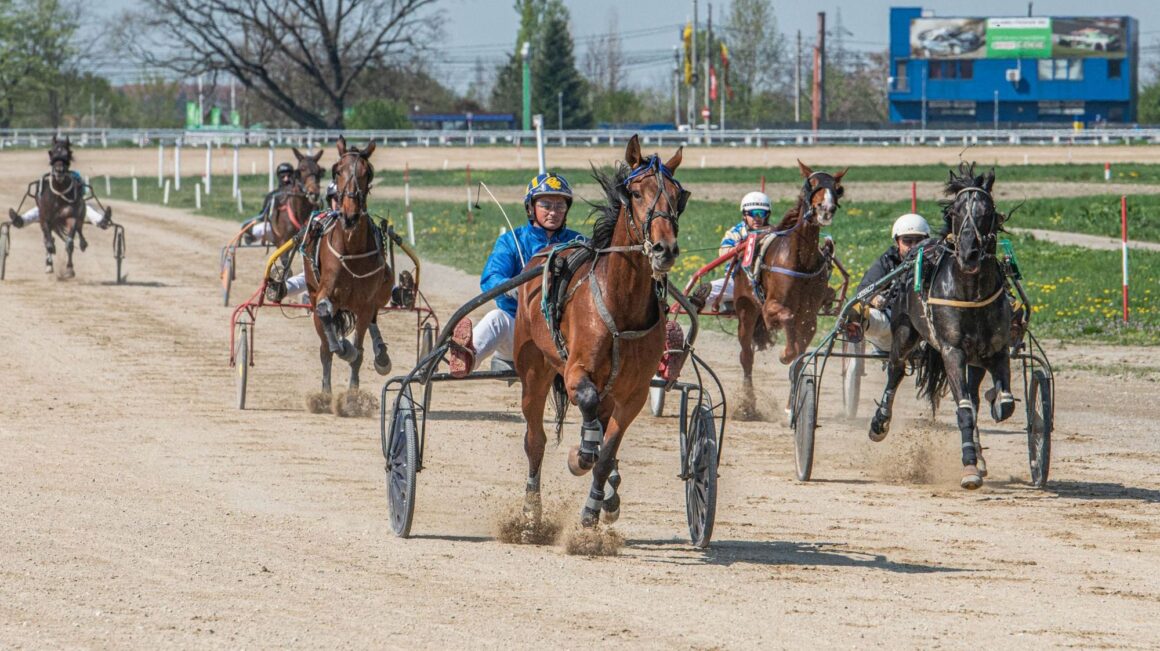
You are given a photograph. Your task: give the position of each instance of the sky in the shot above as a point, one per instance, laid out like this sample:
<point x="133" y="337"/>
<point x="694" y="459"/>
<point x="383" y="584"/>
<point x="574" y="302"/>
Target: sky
<point x="486" y="29"/>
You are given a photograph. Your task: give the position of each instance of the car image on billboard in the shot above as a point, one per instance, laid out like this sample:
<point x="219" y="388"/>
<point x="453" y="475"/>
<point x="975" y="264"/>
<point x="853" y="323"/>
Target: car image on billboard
<point x="947" y="38"/>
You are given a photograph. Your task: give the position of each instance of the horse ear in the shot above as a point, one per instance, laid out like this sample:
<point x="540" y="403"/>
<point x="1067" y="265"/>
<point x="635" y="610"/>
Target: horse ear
<point x="805" y="169"/>
<point x="297" y="154"/>
<point x="632" y="152"/>
<point x="675" y="161"/>
<point x="341" y="146"/>
<point x="318" y="156"/>
<point x="839" y="175"/>
<point x="989" y="180"/>
<point x="368" y="150"/>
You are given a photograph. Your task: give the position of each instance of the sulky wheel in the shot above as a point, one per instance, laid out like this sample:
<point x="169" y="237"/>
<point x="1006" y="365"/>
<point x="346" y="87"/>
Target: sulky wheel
<point x="426" y="340"/>
<point x="656" y="401"/>
<point x="242" y="363"/>
<point x="701" y="481"/>
<point x="1040" y="422"/>
<point x="229" y="271"/>
<point x="806" y="421"/>
<point x="402" y="463"/>
<point x="5" y="244"/>
<point x="119" y="250"/>
<point x="852" y="368"/>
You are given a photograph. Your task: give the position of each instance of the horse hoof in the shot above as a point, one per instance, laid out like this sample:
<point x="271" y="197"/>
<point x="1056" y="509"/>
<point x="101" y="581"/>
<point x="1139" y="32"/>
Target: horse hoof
<point x="68" y="273"/>
<point x="48" y="269"/>
<point x="879" y="429"/>
<point x="610" y="517"/>
<point x="972" y="478"/>
<point x="578" y="465"/>
<point x="611" y="509"/>
<point x="383" y="366"/>
<point x="588" y="518"/>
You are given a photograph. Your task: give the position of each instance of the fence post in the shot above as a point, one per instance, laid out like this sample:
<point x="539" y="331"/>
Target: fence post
<point x="1124" y="248"/>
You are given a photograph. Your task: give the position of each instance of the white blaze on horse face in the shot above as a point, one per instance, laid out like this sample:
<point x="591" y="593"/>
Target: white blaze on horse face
<point x="826" y="211"/>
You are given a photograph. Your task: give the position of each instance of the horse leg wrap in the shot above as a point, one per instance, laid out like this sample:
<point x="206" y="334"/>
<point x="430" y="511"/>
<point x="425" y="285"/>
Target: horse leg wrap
<point x="880" y="424"/>
<point x="965" y="415"/>
<point x="591" y="512"/>
<point x="533" y="484"/>
<point x="591" y="436"/>
<point x="382" y="359"/>
<point x="325" y="312"/>
<point x="611" y="503"/>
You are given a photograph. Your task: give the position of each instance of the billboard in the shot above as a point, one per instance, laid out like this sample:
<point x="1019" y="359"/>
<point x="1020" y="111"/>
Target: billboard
<point x="1017" y="38"/>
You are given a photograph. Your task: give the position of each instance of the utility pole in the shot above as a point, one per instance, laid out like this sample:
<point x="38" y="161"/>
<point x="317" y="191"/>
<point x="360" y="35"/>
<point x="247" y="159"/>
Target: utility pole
<point x="797" y="82"/>
<point x="693" y="67"/>
<point x="676" y="86"/>
<point x="560" y="111"/>
<point x="819" y="94"/>
<point x="526" y="53"/>
<point x="708" y="65"/>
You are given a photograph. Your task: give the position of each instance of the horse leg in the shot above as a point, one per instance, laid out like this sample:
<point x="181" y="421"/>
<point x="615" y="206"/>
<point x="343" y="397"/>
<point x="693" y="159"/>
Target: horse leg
<point x="340" y="346"/>
<point x="536" y="383"/>
<point x="955" y="363"/>
<point x="325" y="354"/>
<point x="606" y="474"/>
<point x="49" y="249"/>
<point x="904" y="341"/>
<point x="362" y="321"/>
<point x="581" y="458"/>
<point x="68" y="249"/>
<point x="746" y="324"/>
<point x="975" y="376"/>
<point x="1002" y="402"/>
<point x="382" y="359"/>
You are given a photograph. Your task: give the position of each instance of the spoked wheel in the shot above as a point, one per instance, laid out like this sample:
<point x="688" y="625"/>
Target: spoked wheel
<point x="119" y="250"/>
<point x="806" y="421"/>
<point x="1040" y="422"/>
<point x="5" y="243"/>
<point x="656" y="401"/>
<point x="242" y="363"/>
<point x="701" y="481"/>
<point x="402" y="463"/>
<point x="852" y="376"/>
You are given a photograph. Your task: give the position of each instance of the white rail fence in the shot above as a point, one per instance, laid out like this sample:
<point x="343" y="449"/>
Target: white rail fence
<point x="34" y="138"/>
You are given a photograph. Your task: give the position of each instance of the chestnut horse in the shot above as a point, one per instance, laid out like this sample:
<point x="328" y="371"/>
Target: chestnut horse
<point x="793" y="277"/>
<point x="60" y="199"/>
<point x="611" y="330"/>
<point x="352" y="279"/>
<point x="290" y="210"/>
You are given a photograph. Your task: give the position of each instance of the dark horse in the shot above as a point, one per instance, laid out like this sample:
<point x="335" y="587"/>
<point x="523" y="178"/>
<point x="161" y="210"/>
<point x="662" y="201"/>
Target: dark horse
<point x="352" y="279"/>
<point x="793" y="278"/>
<point x="289" y="211"/>
<point x="961" y="311"/>
<point x="60" y="199"/>
<point x="611" y="332"/>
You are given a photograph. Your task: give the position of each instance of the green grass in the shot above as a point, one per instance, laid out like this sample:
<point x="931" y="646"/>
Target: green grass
<point x="1075" y="291"/>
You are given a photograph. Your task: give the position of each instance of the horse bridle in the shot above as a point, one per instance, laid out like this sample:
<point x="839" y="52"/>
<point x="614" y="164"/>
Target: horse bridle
<point x="825" y="182"/>
<point x="986" y="242"/>
<point x="653" y="165"/>
<point x="357" y="194"/>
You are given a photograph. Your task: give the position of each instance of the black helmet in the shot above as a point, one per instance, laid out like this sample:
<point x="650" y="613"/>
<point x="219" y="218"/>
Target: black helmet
<point x="285" y="168"/>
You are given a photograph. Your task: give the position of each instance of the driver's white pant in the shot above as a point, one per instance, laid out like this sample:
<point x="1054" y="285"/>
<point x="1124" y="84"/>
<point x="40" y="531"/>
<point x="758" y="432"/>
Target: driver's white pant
<point x="261" y="229"/>
<point x="878" y="329"/>
<point x="296" y="284"/>
<point x="91" y="215"/>
<point x="495" y="333"/>
<point x="720" y="287"/>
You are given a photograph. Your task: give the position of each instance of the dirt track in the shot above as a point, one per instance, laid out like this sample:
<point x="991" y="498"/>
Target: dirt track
<point x="141" y="509"/>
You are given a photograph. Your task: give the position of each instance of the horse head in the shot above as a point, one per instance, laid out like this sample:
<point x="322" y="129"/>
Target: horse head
<point x="820" y="194"/>
<point x="353" y="174"/>
<point x="60" y="155"/>
<point x="654" y="200"/>
<point x="309" y="173"/>
<point x="971" y="221"/>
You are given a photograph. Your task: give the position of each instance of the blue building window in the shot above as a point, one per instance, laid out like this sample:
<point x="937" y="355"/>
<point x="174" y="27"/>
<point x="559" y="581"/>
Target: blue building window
<point x="952" y="69"/>
<point x="1061" y="69"/>
<point x="1115" y="68"/>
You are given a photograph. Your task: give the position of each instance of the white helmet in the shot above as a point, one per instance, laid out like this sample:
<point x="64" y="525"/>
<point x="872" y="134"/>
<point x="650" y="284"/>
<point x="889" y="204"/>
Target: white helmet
<point x="910" y="224"/>
<point x="756" y="201"/>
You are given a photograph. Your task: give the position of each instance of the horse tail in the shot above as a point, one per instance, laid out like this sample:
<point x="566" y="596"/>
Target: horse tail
<point x="344" y="322"/>
<point x="560" y="402"/>
<point x="931" y="378"/>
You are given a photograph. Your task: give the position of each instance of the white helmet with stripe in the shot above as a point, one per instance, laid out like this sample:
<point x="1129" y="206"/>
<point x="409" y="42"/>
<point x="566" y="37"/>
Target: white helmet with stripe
<point x="756" y="201"/>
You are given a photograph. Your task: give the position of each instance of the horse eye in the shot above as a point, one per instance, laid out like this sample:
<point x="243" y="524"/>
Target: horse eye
<point x="636" y="194"/>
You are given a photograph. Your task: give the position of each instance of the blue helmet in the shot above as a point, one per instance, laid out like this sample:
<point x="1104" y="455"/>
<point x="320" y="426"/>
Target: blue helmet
<point x="547" y="184"/>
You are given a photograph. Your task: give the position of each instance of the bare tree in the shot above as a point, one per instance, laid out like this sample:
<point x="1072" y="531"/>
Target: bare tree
<point x="302" y="57"/>
<point x="604" y="61"/>
<point x="757" y="55"/>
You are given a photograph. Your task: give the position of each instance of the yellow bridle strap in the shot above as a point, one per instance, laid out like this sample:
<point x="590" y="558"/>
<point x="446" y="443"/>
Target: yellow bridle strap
<point x="967" y="304"/>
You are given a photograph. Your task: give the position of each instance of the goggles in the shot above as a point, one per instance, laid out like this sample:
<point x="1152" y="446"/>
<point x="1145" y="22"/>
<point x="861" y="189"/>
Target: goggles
<point x="758" y="214"/>
<point x="558" y="205"/>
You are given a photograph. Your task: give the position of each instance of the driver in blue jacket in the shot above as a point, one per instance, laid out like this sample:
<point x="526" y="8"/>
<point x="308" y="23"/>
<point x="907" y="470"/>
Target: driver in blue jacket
<point x="547" y="201"/>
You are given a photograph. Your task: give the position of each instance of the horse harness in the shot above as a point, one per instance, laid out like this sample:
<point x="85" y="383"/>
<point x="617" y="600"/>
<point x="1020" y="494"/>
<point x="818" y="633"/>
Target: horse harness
<point x="318" y="230"/>
<point x="559" y="270"/>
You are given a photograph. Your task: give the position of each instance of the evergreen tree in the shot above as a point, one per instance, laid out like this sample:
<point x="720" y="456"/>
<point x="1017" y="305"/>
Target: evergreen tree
<point x="554" y="71"/>
<point x="507" y="94"/>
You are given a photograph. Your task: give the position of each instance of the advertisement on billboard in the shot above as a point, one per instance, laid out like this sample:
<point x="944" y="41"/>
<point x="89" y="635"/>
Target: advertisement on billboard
<point x="1017" y="38"/>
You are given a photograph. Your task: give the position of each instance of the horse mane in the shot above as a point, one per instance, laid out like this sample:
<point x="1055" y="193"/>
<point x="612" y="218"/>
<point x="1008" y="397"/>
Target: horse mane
<point x="791" y="216"/>
<point x="608" y="213"/>
<point x="956" y="183"/>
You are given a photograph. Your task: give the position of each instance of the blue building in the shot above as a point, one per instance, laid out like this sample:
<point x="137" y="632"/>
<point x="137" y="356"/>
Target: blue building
<point x="1024" y="70"/>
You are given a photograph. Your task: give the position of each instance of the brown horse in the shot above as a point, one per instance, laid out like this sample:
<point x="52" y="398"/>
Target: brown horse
<point x="60" y="199"/>
<point x="793" y="278"/>
<point x="289" y="211"/>
<point x="350" y="279"/>
<point x="611" y="329"/>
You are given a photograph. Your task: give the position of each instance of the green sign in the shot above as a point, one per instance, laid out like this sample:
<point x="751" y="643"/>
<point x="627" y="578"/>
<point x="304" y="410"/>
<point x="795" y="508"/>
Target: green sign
<point x="1018" y="38"/>
<point x="192" y="116"/>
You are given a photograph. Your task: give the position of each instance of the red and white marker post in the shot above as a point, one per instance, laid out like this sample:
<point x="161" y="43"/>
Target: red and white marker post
<point x="1124" y="249"/>
<point x="1107" y="172"/>
<point x="407" y="202"/>
<point x="913" y="196"/>
<point x="470" y="214"/>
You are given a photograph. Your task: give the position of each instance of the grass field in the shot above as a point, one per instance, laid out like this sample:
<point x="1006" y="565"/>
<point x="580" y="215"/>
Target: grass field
<point x="1075" y="291"/>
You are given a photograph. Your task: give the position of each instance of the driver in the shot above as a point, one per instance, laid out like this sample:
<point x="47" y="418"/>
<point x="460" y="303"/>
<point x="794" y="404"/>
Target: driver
<point x="258" y="226"/>
<point x="755" y="211"/>
<point x="908" y="231"/>
<point x="547" y="202"/>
